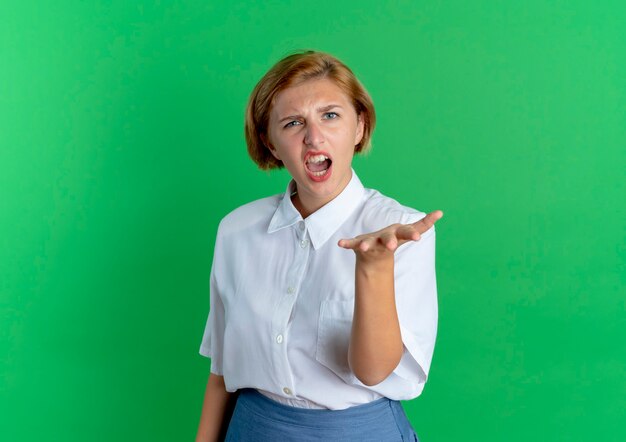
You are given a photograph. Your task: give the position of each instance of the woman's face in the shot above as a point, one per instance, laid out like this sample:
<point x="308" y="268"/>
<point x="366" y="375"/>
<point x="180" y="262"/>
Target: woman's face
<point x="313" y="129"/>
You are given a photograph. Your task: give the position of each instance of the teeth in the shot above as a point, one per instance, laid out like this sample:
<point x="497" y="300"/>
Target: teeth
<point x="317" y="159"/>
<point x="320" y="173"/>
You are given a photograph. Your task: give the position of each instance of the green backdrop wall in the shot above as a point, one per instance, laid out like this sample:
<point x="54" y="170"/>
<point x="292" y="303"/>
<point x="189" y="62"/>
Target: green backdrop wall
<point x="121" y="147"/>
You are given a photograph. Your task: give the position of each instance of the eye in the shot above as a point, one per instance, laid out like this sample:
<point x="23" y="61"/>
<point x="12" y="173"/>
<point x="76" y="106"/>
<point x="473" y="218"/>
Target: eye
<point x="331" y="115"/>
<point x="291" y="123"/>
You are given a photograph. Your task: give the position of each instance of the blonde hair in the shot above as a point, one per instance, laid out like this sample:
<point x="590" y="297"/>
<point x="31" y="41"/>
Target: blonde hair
<point x="293" y="70"/>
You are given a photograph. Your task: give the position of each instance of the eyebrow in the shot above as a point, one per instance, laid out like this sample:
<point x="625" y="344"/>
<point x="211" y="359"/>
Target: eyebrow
<point x="319" y="109"/>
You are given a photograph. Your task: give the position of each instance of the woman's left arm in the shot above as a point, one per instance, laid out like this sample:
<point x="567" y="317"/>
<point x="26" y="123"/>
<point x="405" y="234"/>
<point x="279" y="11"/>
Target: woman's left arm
<point x="375" y="341"/>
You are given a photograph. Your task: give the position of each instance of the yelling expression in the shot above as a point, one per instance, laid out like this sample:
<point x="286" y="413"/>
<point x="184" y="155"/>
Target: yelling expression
<point x="313" y="129"/>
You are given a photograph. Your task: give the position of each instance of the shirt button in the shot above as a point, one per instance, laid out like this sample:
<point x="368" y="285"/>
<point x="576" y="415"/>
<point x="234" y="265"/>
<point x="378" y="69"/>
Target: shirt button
<point x="301" y="225"/>
<point x="279" y="339"/>
<point x="304" y="243"/>
<point x="291" y="290"/>
<point x="287" y="391"/>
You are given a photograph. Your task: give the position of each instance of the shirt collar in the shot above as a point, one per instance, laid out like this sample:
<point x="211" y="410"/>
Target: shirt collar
<point x="324" y="222"/>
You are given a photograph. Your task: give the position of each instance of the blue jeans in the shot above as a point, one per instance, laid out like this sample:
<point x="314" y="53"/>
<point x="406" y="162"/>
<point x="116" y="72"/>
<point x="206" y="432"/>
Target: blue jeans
<point x="260" y="419"/>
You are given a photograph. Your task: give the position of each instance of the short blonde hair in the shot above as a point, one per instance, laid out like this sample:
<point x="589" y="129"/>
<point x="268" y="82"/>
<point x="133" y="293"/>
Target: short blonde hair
<point x="293" y="70"/>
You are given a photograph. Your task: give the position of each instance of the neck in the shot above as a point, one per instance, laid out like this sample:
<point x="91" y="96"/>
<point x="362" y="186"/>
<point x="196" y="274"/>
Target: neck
<point x="300" y="207"/>
<point x="308" y="206"/>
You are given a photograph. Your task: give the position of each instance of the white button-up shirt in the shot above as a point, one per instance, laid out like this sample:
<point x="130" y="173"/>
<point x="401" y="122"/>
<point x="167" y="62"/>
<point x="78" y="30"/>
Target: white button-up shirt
<point x="282" y="300"/>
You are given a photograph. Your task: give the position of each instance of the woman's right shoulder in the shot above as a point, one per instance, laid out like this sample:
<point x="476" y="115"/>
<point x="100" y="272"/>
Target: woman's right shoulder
<point x="249" y="215"/>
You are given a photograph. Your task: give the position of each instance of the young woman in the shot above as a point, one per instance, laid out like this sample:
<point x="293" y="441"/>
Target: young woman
<point x="323" y="302"/>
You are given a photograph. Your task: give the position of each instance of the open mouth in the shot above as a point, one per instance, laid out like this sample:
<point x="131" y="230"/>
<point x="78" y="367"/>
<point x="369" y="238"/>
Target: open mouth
<point x="318" y="165"/>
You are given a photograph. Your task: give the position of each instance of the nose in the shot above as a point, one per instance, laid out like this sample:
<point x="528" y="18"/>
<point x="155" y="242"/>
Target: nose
<point x="313" y="136"/>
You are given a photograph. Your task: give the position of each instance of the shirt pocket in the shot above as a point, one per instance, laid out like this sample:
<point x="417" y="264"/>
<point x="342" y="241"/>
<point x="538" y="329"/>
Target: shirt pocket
<point x="333" y="337"/>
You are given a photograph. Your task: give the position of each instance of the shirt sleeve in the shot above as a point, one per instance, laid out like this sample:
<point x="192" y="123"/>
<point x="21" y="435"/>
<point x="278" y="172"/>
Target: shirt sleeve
<point x="416" y="303"/>
<point x="212" y="345"/>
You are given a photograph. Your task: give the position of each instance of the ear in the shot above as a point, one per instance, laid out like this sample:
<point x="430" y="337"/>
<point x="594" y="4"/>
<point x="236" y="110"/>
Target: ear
<point x="269" y="146"/>
<point x="360" y="129"/>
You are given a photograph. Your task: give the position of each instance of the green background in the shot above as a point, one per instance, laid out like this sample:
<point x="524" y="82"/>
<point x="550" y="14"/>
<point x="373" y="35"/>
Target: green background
<point x="121" y="147"/>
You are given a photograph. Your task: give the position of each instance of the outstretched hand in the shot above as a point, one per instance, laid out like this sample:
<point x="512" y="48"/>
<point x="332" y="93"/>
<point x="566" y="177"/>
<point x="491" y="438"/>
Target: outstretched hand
<point x="386" y="241"/>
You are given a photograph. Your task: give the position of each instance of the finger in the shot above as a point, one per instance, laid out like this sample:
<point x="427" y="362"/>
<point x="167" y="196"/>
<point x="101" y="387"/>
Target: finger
<point x="408" y="233"/>
<point x="348" y="243"/>
<point x="364" y="245"/>
<point x="428" y="221"/>
<point x="355" y="244"/>
<point x="389" y="240"/>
